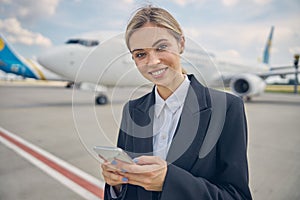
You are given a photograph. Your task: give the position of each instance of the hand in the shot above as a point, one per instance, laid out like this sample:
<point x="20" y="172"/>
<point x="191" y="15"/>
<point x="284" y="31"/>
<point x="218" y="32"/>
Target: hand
<point x="112" y="174"/>
<point x="148" y="172"/>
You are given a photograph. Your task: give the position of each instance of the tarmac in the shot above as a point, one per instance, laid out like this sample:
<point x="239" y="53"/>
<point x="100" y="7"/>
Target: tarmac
<point x="67" y="124"/>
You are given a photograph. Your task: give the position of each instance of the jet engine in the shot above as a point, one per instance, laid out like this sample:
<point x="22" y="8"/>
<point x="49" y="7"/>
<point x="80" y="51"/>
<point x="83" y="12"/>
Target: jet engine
<point x="247" y="85"/>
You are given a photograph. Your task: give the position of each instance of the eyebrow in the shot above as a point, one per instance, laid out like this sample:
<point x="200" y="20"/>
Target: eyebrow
<point x="153" y="45"/>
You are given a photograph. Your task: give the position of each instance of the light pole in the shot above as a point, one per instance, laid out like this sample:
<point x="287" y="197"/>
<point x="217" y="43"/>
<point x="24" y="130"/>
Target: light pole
<point x="296" y="60"/>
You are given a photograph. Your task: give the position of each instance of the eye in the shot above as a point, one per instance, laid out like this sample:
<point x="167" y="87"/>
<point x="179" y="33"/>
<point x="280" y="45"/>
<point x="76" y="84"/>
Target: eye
<point x="162" y="47"/>
<point x="139" y="55"/>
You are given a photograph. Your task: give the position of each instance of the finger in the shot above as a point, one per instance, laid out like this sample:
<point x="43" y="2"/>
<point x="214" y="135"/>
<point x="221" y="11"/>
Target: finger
<point x="138" y="169"/>
<point x="122" y="166"/>
<point x="147" y="164"/>
<point x="111" y="176"/>
<point x="150" y="181"/>
<point x="110" y="167"/>
<point x="144" y="164"/>
<point x="146" y="160"/>
<point x="141" y="180"/>
<point x="114" y="178"/>
<point x="129" y="168"/>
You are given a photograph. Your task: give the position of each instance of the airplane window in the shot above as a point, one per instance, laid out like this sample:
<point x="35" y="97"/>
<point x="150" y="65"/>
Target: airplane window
<point x="88" y="43"/>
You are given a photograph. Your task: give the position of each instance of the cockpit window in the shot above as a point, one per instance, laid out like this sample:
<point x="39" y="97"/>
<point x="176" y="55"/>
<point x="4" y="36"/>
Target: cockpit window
<point x="88" y="43"/>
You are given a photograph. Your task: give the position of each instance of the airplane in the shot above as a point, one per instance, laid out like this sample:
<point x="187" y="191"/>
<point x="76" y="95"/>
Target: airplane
<point x="13" y="63"/>
<point x="95" y="59"/>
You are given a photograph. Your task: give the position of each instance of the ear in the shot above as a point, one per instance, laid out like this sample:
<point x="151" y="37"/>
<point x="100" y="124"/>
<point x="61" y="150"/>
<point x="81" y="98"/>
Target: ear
<point x="182" y="44"/>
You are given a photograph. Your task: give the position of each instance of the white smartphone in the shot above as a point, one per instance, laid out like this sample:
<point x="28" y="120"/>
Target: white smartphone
<point x="111" y="153"/>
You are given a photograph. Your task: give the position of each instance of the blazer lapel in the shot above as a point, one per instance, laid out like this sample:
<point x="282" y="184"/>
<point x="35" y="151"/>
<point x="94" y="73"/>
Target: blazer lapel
<point x="142" y="116"/>
<point x="192" y="127"/>
<point x="142" y="122"/>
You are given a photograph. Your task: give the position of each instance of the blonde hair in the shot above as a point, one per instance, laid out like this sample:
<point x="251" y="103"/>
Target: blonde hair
<point x="155" y="15"/>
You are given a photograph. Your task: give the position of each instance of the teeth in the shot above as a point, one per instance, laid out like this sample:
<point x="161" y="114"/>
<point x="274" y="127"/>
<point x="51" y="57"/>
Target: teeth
<point x="158" y="72"/>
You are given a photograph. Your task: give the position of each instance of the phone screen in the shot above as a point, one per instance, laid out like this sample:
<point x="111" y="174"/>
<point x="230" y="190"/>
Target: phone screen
<point x="112" y="153"/>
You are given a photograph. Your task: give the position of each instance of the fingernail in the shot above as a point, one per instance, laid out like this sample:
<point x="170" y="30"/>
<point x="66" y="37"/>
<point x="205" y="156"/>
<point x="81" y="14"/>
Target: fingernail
<point x="123" y="170"/>
<point x="114" y="162"/>
<point x="135" y="160"/>
<point x="125" y="179"/>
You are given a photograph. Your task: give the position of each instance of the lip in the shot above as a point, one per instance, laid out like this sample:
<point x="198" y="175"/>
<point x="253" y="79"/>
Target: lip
<point x="158" y="73"/>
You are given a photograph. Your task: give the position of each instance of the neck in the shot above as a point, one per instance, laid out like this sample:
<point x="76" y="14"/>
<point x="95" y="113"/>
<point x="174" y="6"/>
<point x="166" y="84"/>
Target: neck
<point x="166" y="91"/>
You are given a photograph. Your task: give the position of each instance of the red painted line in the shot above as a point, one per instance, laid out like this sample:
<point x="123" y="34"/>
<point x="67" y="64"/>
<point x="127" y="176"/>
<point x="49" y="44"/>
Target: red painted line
<point x="70" y="175"/>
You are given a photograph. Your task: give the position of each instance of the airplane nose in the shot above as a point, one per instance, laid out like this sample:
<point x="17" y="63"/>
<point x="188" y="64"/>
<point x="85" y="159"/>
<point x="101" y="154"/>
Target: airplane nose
<point x="63" y="60"/>
<point x="51" y="59"/>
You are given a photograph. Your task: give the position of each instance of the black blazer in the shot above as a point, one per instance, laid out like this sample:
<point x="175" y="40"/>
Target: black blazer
<point x="220" y="173"/>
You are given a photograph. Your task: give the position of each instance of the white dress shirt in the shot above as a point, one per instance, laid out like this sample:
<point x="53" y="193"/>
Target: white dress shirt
<point x="166" y="117"/>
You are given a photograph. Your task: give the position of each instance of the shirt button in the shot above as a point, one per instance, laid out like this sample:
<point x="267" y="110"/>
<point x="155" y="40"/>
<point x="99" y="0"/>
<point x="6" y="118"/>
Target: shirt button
<point x="164" y="137"/>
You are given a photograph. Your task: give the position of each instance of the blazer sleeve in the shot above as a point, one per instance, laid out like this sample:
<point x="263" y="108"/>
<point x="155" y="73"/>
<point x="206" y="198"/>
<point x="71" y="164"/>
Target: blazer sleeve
<point x="121" y="144"/>
<point x="231" y="181"/>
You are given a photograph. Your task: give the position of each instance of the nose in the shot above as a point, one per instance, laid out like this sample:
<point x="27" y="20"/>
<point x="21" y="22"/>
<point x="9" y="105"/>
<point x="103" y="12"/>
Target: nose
<point x="153" y="58"/>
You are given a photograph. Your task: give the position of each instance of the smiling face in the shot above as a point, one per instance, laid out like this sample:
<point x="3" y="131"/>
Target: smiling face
<point x="156" y="53"/>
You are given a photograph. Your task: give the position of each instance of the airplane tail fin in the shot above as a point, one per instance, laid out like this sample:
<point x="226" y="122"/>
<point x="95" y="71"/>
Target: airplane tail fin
<point x="266" y="54"/>
<point x="11" y="62"/>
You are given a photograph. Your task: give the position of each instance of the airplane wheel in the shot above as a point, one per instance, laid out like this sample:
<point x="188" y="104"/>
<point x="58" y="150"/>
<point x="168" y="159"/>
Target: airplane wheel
<point x="248" y="98"/>
<point x="101" y="100"/>
<point x="70" y="85"/>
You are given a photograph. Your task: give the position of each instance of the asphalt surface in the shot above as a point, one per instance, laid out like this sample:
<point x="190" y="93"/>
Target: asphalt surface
<point x="67" y="124"/>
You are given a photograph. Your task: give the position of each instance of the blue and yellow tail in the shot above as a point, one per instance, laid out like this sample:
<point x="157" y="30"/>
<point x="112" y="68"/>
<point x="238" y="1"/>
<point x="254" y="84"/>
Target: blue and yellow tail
<point x="266" y="55"/>
<point x="11" y="62"/>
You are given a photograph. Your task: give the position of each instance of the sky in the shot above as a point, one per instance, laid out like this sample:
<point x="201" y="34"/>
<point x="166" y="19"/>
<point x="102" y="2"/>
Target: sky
<point x="233" y="30"/>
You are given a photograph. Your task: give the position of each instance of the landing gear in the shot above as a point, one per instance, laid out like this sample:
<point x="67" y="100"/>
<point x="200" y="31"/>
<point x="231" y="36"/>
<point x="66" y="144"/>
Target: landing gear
<point x="101" y="99"/>
<point x="247" y="98"/>
<point x="70" y="85"/>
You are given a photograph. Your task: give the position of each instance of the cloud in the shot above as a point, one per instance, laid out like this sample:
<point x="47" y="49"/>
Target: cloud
<point x="230" y="2"/>
<point x="232" y="54"/>
<point x="192" y="32"/>
<point x="186" y="2"/>
<point x="29" y="9"/>
<point x="180" y="2"/>
<point x="235" y="2"/>
<point x="128" y="1"/>
<point x="17" y="34"/>
<point x="5" y="1"/>
<point x="294" y="50"/>
<point x="262" y="2"/>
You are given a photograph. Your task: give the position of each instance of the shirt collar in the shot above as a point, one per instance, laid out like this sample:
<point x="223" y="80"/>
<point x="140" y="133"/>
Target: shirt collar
<point x="174" y="101"/>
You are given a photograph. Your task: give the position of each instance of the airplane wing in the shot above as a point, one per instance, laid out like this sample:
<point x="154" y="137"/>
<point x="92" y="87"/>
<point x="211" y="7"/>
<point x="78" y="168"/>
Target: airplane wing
<point x="278" y="72"/>
<point x="281" y="67"/>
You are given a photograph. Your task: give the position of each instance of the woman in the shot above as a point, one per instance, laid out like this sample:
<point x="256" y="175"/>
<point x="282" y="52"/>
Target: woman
<point x="165" y="129"/>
